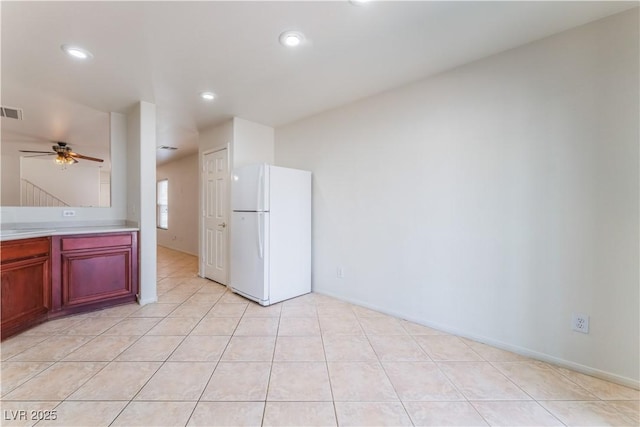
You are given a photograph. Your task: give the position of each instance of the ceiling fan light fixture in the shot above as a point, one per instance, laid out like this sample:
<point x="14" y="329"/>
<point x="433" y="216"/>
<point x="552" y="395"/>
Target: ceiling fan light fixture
<point x="291" y="38"/>
<point x="76" y="52"/>
<point x="64" y="155"/>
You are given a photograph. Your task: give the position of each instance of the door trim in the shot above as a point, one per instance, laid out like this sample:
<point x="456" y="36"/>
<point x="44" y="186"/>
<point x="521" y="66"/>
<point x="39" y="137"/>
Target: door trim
<point x="201" y="226"/>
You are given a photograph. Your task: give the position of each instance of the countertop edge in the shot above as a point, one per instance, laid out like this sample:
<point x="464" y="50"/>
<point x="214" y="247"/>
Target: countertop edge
<point x="68" y="231"/>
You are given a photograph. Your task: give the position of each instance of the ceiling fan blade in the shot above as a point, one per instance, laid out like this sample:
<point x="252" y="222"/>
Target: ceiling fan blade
<point x="41" y="152"/>
<point x="80" y="156"/>
<point x="40" y="155"/>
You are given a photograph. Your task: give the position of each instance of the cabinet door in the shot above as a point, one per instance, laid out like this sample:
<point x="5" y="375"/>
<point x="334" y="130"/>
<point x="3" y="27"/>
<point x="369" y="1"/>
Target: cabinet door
<point x="26" y="297"/>
<point x="92" y="271"/>
<point x="96" y="275"/>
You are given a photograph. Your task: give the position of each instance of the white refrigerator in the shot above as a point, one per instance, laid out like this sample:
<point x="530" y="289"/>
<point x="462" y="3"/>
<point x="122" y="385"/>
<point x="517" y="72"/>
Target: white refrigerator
<point x="270" y="233"/>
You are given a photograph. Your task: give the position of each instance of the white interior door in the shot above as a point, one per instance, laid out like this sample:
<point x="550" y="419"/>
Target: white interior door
<point x="216" y="216"/>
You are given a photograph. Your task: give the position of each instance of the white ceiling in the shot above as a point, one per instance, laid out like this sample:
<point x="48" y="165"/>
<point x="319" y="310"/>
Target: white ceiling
<point x="167" y="53"/>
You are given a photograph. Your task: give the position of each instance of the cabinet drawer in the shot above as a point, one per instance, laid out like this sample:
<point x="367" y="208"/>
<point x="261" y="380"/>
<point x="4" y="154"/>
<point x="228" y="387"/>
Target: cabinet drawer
<point x="95" y="242"/>
<point x="24" y="248"/>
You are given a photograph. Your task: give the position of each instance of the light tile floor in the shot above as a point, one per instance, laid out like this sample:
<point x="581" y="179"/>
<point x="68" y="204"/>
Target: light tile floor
<point x="203" y="356"/>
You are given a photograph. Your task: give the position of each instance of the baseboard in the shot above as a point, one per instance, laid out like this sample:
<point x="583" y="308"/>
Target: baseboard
<point x="178" y="250"/>
<point x="147" y="300"/>
<point x="608" y="376"/>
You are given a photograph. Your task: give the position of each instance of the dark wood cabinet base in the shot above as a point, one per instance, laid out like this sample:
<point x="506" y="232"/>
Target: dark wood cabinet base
<point x="93" y="271"/>
<point x="52" y="277"/>
<point x="26" y="285"/>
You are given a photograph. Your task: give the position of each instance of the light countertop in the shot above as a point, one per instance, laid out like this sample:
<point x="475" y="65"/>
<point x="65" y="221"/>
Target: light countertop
<point x="37" y="230"/>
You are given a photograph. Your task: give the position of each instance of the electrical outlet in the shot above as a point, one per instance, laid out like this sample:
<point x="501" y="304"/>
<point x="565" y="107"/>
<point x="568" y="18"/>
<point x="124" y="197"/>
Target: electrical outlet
<point x="580" y="322"/>
<point x="340" y="273"/>
<point x="68" y="213"/>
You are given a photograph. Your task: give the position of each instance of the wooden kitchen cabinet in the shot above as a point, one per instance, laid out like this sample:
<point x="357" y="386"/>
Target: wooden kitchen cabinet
<point x="26" y="284"/>
<point x="93" y="271"/>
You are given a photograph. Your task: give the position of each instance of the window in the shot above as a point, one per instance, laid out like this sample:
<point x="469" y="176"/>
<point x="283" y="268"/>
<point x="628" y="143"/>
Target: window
<point x="162" y="214"/>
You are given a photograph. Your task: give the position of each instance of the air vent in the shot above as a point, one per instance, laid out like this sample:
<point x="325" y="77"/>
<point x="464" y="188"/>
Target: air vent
<point x="11" y="113"/>
<point x="166" y="147"/>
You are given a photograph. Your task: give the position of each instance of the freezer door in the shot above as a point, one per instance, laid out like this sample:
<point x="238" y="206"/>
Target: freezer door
<point x="249" y="272"/>
<point x="250" y="188"/>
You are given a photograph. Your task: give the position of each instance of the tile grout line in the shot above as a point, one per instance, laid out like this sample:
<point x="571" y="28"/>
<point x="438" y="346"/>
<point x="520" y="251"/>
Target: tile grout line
<point x="159" y="367"/>
<point x="65" y="399"/>
<point x="326" y="361"/>
<point x="366" y="335"/>
<point x="438" y="364"/>
<point x="132" y="399"/>
<point x="273" y="354"/>
<point x="217" y="362"/>
<point x="56" y="362"/>
<point x="458" y="389"/>
<point x="524" y="391"/>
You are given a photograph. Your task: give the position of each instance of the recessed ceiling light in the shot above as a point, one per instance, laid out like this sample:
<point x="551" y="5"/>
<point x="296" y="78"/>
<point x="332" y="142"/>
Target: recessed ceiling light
<point x="358" y="2"/>
<point x="291" y="38"/>
<point x="76" y="52"/>
<point x="208" y="96"/>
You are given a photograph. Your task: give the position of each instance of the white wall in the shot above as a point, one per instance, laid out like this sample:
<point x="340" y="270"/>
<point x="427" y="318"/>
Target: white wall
<point x="216" y="137"/>
<point x="76" y="185"/>
<point x="133" y="150"/>
<point x="183" y="175"/>
<point x="116" y="212"/>
<point x="141" y="201"/>
<point x="120" y="166"/>
<point x="105" y="188"/>
<point x="252" y="143"/>
<point x="247" y="143"/>
<point x="9" y="176"/>
<point x="492" y="200"/>
<point x="52" y="177"/>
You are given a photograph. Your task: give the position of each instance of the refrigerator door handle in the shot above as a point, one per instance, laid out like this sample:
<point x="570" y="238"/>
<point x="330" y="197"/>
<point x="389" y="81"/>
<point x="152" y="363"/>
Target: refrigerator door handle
<point x="260" y="207"/>
<point x="260" y="232"/>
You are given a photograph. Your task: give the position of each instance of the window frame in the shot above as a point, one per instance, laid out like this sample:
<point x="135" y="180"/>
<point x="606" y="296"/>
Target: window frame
<point x="159" y="205"/>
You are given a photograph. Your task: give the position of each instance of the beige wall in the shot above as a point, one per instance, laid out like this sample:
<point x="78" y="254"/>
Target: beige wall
<point x="120" y="187"/>
<point x="493" y="200"/>
<point x="247" y="143"/>
<point x="76" y="185"/>
<point x="252" y="143"/>
<point x="183" y="175"/>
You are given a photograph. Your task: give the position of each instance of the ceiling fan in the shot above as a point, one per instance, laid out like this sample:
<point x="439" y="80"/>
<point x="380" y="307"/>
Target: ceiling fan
<point x="64" y="155"/>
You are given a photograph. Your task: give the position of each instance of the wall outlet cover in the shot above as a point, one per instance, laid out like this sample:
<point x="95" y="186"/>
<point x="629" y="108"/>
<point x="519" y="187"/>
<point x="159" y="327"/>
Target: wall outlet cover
<point x="580" y="322"/>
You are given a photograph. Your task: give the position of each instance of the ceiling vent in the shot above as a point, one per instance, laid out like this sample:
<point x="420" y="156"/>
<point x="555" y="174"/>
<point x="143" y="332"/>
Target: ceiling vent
<point x="166" y="147"/>
<point x="11" y="113"/>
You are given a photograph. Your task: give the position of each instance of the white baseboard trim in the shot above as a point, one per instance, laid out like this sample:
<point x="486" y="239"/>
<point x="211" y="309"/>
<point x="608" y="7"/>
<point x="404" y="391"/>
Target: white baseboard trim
<point x="147" y="300"/>
<point x="608" y="376"/>
<point x="179" y="250"/>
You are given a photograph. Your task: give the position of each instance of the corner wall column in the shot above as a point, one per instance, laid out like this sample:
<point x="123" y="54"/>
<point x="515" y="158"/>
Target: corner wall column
<point x="141" y="195"/>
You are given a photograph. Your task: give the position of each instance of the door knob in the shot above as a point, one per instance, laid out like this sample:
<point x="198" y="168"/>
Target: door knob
<point x="223" y="225"/>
